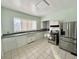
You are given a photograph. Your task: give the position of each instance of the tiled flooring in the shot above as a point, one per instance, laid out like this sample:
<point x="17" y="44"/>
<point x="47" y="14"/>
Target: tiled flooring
<point x="40" y="49"/>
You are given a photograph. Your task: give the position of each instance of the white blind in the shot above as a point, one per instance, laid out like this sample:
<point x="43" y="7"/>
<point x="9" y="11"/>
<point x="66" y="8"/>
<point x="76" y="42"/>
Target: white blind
<point x="17" y="25"/>
<point x="24" y="25"/>
<point x="34" y="26"/>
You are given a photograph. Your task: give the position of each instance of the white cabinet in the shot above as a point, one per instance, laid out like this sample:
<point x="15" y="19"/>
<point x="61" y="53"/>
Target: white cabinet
<point x="33" y="38"/>
<point x="8" y="44"/>
<point x="14" y="42"/>
<point x="29" y="39"/>
<point x="21" y="40"/>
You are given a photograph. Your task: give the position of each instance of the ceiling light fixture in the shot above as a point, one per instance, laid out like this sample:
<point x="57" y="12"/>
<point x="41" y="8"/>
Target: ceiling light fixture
<point x="42" y="4"/>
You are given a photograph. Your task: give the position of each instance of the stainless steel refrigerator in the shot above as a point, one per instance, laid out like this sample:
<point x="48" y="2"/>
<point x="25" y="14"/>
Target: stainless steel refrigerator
<point x="68" y="40"/>
<point x="70" y="29"/>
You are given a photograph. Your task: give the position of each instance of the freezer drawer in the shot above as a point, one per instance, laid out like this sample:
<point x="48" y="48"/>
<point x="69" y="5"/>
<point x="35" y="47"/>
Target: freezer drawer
<point x="68" y="46"/>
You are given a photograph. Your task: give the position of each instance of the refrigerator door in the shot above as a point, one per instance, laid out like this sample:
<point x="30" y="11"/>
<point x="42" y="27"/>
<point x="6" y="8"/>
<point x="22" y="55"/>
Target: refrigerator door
<point x="65" y="28"/>
<point x="75" y="32"/>
<point x="72" y="29"/>
<point x="69" y="28"/>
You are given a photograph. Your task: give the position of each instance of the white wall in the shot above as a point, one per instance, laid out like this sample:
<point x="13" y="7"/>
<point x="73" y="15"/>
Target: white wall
<point x="54" y="22"/>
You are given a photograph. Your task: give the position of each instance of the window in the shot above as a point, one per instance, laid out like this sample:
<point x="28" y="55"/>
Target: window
<point x="17" y="25"/>
<point x="24" y="25"/>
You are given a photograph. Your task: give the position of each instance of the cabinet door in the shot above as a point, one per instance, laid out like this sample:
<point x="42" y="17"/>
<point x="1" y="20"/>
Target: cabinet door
<point x="21" y="40"/>
<point x="29" y="38"/>
<point x="8" y="44"/>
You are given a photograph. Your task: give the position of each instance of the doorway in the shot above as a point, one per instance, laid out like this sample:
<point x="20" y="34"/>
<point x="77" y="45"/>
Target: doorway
<point x="45" y="24"/>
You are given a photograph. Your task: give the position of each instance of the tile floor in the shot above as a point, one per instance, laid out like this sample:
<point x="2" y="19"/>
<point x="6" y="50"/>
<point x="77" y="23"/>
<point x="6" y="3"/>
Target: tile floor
<point x="40" y="49"/>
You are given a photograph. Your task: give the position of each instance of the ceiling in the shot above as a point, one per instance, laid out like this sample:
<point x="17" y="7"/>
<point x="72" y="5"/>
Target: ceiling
<point x="39" y="7"/>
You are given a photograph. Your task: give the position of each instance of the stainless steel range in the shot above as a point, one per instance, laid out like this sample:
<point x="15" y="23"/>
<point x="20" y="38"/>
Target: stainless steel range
<point x="54" y="34"/>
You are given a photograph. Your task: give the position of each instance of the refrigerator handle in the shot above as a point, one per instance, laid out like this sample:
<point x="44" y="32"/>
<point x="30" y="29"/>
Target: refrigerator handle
<point x="67" y="26"/>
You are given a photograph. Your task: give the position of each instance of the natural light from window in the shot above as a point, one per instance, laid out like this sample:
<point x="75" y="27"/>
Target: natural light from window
<point x="21" y="25"/>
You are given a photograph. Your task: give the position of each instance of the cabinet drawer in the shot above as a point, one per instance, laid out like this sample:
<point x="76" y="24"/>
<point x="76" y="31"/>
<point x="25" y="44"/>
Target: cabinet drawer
<point x="64" y="45"/>
<point x="67" y="46"/>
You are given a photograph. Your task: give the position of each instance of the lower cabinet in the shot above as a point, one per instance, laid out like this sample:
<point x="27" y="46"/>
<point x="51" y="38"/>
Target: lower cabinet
<point x="20" y="41"/>
<point x="8" y="44"/>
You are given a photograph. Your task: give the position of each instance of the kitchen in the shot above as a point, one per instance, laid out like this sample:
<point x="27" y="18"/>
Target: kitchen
<point x="38" y="29"/>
